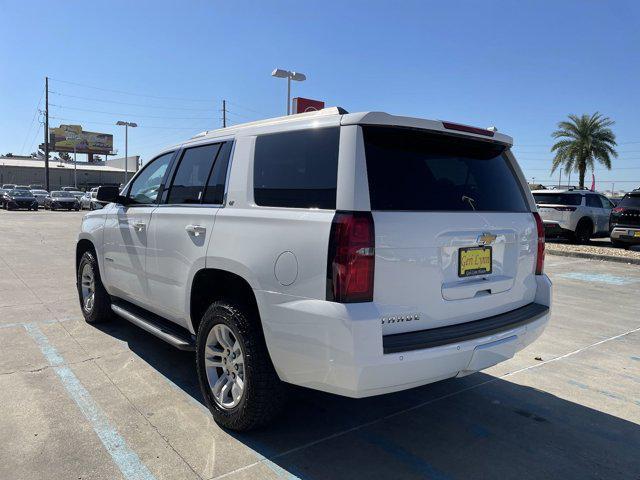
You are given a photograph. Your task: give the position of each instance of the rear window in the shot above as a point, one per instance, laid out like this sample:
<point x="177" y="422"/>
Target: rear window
<point x="297" y="169"/>
<point x="422" y="171"/>
<point x="558" y="198"/>
<point x="630" y="201"/>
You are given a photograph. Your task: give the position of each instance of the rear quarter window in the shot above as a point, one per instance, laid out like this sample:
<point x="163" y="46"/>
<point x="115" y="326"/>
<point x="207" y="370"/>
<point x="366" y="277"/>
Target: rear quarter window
<point x="573" y="199"/>
<point x="414" y="170"/>
<point x="297" y="169"/>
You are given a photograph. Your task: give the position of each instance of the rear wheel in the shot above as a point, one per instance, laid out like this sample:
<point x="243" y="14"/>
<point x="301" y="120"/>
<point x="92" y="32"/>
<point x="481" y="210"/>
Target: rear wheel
<point x="583" y="232"/>
<point x="237" y="378"/>
<point x="94" y="299"/>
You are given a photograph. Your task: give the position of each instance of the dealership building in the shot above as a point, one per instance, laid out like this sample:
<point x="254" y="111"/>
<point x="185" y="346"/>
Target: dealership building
<point x="30" y="170"/>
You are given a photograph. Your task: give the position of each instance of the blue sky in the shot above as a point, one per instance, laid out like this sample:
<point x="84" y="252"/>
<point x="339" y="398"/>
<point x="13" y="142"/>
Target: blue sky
<point x="521" y="66"/>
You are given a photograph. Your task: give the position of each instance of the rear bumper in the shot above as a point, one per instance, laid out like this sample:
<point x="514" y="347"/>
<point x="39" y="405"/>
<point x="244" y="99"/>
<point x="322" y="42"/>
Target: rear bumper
<point x="340" y="349"/>
<point x="625" y="234"/>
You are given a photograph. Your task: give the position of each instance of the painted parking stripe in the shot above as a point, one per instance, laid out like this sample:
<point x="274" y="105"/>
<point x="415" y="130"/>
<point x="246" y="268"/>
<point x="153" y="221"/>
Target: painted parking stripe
<point x="275" y="468"/>
<point x="126" y="459"/>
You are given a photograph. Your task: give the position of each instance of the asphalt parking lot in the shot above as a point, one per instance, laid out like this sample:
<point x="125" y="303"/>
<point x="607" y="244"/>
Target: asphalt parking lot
<point x="113" y="402"/>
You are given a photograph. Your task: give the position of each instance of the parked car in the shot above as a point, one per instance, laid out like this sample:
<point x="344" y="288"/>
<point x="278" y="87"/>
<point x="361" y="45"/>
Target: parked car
<point x="21" y="187"/>
<point x="77" y="193"/>
<point x="89" y="201"/>
<point x="625" y="220"/>
<point x="36" y="186"/>
<point x="18" y="199"/>
<point x="357" y="254"/>
<point x="40" y="195"/>
<point x="575" y="214"/>
<point x="69" y="189"/>
<point x="61" y="200"/>
<point x="8" y="186"/>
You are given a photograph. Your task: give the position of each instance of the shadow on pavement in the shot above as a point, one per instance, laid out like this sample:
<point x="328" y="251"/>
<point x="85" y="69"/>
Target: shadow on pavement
<point x="494" y="429"/>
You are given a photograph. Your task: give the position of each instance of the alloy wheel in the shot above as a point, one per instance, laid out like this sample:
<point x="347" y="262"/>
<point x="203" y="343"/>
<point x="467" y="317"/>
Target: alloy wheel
<point x="224" y="363"/>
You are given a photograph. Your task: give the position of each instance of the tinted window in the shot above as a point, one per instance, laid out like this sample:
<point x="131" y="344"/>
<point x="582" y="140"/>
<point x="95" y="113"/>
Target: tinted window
<point x="558" y="198"/>
<point x="193" y="171"/>
<point x="145" y="187"/>
<point x="214" y="193"/>
<point x="630" y="201"/>
<point x="606" y="203"/>
<point x="297" y="169"/>
<point x="593" y="201"/>
<point x="416" y="170"/>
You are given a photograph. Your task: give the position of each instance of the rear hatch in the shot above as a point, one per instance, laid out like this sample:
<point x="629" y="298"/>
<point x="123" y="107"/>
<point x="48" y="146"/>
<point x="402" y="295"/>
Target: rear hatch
<point x="627" y="212"/>
<point x="455" y="239"/>
<point x="557" y="207"/>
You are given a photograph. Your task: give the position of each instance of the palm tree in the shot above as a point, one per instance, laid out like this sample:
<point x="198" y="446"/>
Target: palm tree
<point x="582" y="140"/>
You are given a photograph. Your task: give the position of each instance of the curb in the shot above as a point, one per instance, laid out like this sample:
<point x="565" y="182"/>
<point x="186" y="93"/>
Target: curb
<point x="594" y="256"/>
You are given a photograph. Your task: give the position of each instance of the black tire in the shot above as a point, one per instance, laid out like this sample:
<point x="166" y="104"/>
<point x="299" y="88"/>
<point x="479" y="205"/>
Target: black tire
<point x="264" y="394"/>
<point x="101" y="310"/>
<point x="583" y="232"/>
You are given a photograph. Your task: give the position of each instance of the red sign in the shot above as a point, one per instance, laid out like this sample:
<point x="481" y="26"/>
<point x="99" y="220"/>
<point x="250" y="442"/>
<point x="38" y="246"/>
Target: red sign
<point x="302" y="105"/>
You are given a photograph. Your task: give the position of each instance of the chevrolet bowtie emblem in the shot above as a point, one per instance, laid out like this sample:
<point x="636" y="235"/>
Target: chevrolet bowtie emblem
<point x="486" y="238"/>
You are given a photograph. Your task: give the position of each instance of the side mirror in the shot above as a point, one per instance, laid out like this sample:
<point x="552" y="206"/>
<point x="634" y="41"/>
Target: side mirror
<point x="109" y="194"/>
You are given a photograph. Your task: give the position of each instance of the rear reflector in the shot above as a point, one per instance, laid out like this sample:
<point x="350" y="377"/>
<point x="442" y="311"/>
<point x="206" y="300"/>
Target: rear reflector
<point x="617" y="210"/>
<point x="351" y="259"/>
<point x="540" y="250"/>
<point x="468" y="129"/>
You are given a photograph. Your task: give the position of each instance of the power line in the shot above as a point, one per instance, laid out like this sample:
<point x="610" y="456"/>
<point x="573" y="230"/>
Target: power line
<point x="248" y="109"/>
<point x="122" y="92"/>
<point x="131" y="104"/>
<point x="35" y="114"/>
<point x="128" y="114"/>
<point x="80" y="122"/>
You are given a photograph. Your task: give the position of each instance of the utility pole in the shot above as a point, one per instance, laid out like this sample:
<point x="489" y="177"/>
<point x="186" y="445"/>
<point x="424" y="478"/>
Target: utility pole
<point x="46" y="134"/>
<point x="560" y="181"/>
<point x="224" y="113"/>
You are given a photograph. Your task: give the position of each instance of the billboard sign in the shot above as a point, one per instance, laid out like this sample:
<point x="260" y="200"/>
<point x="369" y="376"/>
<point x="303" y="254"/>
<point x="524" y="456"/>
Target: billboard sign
<point x="65" y="137"/>
<point x="302" y="105"/>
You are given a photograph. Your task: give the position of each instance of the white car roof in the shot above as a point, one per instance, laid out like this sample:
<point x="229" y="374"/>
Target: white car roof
<point x="336" y="116"/>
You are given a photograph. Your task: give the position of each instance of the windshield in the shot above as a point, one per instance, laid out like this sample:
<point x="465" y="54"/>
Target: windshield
<point x="414" y="170"/>
<point x="21" y="193"/>
<point x="558" y="198"/>
<point x="630" y="201"/>
<point x="62" y="195"/>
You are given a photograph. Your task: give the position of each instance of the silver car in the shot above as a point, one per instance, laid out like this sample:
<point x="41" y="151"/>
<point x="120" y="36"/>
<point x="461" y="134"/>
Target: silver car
<point x="40" y="196"/>
<point x="88" y="201"/>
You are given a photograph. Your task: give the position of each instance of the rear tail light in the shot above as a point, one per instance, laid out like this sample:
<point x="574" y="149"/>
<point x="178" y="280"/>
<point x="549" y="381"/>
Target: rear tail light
<point x="351" y="259"/>
<point x="566" y="209"/>
<point x="540" y="252"/>
<point x="617" y="210"/>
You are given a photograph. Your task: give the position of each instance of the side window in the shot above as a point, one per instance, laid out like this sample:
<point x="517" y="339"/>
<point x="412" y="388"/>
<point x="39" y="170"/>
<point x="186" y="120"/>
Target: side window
<point x="145" y="187"/>
<point x="214" y="193"/>
<point x="606" y="203"/>
<point x="592" y="201"/>
<point x="297" y="169"/>
<point x="191" y="176"/>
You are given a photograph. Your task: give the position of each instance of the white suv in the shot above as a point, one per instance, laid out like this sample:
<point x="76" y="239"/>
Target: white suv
<point x="357" y="254"/>
<point x="577" y="214"/>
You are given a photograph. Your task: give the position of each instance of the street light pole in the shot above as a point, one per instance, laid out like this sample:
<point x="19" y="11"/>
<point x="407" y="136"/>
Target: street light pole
<point x="126" y="146"/>
<point x="75" y="165"/>
<point x="296" y="76"/>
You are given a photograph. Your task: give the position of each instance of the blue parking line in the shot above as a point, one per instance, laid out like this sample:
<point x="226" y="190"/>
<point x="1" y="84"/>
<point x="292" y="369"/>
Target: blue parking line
<point x="599" y="277"/>
<point x="275" y="468"/>
<point x="126" y="459"/>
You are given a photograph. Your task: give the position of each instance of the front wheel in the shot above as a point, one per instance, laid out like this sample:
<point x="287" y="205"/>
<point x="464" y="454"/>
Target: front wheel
<point x="94" y="299"/>
<point x="237" y="378"/>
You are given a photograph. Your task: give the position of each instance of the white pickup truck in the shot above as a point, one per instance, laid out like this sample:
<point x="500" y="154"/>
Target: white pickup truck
<point x="357" y="254"/>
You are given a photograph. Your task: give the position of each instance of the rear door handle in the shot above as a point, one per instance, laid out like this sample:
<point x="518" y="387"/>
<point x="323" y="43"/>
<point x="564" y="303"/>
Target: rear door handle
<point x="195" y="230"/>
<point x="139" y="226"/>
